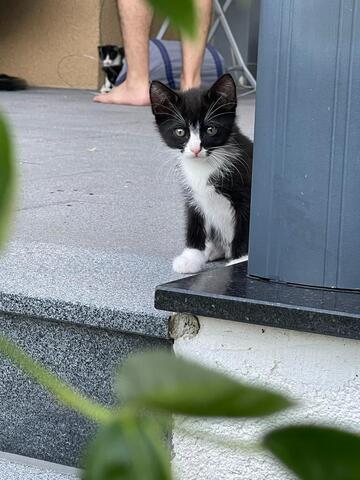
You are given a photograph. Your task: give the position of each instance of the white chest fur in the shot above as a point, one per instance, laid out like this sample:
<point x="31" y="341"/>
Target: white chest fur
<point x="216" y="209"/>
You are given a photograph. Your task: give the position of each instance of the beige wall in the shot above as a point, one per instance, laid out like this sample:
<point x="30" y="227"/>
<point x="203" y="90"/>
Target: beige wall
<point x="44" y="41"/>
<point x="110" y="32"/>
<point x="51" y="42"/>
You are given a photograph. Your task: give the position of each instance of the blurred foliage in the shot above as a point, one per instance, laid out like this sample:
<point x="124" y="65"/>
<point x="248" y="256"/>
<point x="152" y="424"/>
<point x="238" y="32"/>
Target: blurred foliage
<point x="187" y="388"/>
<point x="181" y="13"/>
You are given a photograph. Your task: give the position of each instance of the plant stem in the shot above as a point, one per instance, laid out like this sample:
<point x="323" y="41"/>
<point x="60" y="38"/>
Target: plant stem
<point x="62" y="391"/>
<point x="7" y="180"/>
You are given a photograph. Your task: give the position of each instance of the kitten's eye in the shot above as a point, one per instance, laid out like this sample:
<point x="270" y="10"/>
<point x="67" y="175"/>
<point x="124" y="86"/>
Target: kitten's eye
<point x="211" y="131"/>
<point x="179" y="132"/>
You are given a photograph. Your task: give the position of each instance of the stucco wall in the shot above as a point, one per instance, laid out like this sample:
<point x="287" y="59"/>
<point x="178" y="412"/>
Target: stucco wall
<point x="320" y="372"/>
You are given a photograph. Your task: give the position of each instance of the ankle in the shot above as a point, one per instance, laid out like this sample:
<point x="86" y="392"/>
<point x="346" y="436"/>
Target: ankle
<point x="137" y="83"/>
<point x="190" y="81"/>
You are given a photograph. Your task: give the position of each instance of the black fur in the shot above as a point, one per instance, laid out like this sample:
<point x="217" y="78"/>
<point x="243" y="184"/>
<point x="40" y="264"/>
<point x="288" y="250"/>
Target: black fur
<point x="195" y="228"/>
<point x="233" y="180"/>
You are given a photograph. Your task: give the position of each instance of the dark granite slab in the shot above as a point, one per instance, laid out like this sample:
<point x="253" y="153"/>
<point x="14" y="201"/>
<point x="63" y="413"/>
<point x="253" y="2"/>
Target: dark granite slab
<point x="32" y="422"/>
<point x="228" y="293"/>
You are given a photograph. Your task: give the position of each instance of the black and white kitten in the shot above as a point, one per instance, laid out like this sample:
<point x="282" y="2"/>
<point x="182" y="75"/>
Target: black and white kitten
<point x="111" y="59"/>
<point x="215" y="163"/>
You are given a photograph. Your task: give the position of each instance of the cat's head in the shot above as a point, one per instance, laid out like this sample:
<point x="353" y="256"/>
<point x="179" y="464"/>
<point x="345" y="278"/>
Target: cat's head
<point x="197" y="121"/>
<point x="110" y="55"/>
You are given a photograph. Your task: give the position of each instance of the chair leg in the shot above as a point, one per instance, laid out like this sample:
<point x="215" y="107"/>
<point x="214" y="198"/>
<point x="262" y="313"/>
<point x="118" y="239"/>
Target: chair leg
<point x="216" y="24"/>
<point x="163" y="29"/>
<point x="230" y="37"/>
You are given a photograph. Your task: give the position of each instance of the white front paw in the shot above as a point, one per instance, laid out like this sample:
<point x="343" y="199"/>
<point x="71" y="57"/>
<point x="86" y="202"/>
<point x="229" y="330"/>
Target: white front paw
<point x="190" y="261"/>
<point x="105" y="89"/>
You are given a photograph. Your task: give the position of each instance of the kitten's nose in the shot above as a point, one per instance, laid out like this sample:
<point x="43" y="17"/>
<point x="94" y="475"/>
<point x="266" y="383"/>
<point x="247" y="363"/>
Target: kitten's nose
<point x="196" y="151"/>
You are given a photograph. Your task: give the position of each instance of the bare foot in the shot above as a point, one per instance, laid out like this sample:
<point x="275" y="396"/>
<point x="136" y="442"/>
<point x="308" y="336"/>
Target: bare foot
<point x="125" y="94"/>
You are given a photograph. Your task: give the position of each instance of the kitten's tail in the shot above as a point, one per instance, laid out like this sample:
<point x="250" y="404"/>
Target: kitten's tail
<point x="242" y="259"/>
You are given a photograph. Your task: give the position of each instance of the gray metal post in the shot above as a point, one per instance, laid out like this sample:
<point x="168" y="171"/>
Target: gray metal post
<point x="305" y="220"/>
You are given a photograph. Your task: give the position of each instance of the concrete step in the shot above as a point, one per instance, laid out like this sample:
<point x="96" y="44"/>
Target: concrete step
<point x="80" y="312"/>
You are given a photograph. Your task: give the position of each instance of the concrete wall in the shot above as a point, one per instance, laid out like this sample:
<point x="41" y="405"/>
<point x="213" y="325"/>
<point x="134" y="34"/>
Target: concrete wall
<point x="320" y="372"/>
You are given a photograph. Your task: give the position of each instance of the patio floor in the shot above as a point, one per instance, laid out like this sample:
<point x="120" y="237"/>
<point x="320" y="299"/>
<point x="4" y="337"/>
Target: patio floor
<point x="99" y="213"/>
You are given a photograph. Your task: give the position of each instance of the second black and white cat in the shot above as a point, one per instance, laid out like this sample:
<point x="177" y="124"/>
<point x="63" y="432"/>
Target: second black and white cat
<point x="111" y="59"/>
<point x="215" y="161"/>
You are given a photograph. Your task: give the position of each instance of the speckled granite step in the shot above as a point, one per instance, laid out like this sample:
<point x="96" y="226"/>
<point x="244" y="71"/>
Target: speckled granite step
<point x="87" y="250"/>
<point x="81" y="327"/>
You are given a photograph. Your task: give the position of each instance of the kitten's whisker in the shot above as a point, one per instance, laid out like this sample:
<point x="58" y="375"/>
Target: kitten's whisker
<point x="170" y="175"/>
<point x="225" y="163"/>
<point x="212" y="106"/>
<point x="177" y="113"/>
<point x="235" y="168"/>
<point x="163" y="106"/>
<point x="224" y="172"/>
<point x="175" y="122"/>
<point x="170" y="165"/>
<point x="220" y="115"/>
<point x="218" y="108"/>
<point x="167" y="114"/>
<point x="232" y="154"/>
<point x="174" y="112"/>
<point x="172" y="116"/>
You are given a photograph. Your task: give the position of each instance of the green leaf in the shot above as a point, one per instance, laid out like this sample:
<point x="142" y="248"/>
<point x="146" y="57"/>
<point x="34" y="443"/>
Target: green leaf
<point x="315" y="453"/>
<point x="181" y="13"/>
<point x="161" y="381"/>
<point x="7" y="180"/>
<point x="63" y="392"/>
<point x="130" y="449"/>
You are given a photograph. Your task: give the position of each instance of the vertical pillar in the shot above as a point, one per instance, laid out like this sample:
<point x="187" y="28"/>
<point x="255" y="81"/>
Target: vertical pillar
<point x="305" y="220"/>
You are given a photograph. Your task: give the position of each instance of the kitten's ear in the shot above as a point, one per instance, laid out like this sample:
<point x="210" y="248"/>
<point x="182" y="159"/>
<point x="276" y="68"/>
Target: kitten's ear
<point x="224" y="92"/>
<point x="162" y="97"/>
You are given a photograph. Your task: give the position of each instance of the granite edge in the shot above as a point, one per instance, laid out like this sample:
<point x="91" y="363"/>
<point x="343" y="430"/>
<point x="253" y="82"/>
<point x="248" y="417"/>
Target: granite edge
<point x="77" y="313"/>
<point x="238" y="309"/>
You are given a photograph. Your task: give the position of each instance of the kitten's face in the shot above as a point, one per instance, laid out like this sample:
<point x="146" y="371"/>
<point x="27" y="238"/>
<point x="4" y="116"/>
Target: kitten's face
<point x="110" y="55"/>
<point x="196" y="122"/>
